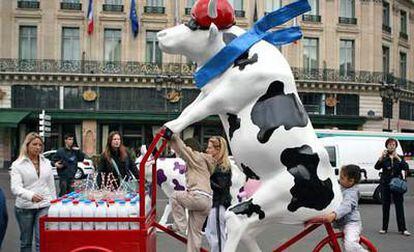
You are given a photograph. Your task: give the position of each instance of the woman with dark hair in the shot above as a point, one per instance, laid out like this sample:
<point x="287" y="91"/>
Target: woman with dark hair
<point x="392" y="166"/>
<point x="115" y="164"/>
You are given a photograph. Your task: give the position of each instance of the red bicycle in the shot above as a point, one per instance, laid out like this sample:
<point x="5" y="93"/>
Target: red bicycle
<point x="332" y="242"/>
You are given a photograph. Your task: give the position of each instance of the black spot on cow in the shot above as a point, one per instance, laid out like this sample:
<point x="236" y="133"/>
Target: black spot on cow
<point x="249" y="172"/>
<point x="228" y="37"/>
<point x="275" y="109"/>
<point x="248" y="208"/>
<point x="243" y="60"/>
<point x="234" y="124"/>
<point x="309" y="191"/>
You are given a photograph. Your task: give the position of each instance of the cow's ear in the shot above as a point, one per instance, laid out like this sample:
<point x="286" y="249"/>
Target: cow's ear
<point x="213" y="32"/>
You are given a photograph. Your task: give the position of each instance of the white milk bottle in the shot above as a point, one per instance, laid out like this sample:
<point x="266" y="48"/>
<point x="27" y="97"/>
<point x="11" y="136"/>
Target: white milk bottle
<point x="133" y="212"/>
<point x="88" y="210"/>
<point x="65" y="212"/>
<point x="100" y="213"/>
<point x="75" y="212"/>
<point x="122" y="213"/>
<point x="112" y="211"/>
<point x="54" y="212"/>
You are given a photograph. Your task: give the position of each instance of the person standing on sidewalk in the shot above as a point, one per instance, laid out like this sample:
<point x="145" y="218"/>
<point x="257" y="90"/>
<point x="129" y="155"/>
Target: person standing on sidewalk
<point x="197" y="199"/>
<point x="66" y="161"/>
<point x="3" y="216"/>
<point x="33" y="184"/>
<point x="392" y="166"/>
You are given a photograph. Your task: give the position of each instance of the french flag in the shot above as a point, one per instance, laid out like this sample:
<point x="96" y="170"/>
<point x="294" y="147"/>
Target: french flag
<point x="90" y="17"/>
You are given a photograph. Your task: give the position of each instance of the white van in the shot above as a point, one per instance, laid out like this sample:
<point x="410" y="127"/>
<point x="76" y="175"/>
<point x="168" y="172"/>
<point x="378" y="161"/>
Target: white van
<point x="361" y="151"/>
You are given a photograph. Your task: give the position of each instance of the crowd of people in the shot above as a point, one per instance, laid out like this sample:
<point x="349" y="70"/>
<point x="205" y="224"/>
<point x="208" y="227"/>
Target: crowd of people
<point x="207" y="194"/>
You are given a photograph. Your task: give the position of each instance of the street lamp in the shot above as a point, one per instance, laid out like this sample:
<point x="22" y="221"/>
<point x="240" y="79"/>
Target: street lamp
<point x="390" y="94"/>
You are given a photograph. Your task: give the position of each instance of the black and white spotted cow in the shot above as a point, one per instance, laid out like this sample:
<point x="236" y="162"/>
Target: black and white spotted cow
<point x="269" y="132"/>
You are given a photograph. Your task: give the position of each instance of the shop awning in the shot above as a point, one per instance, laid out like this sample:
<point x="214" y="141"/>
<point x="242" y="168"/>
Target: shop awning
<point x="11" y="119"/>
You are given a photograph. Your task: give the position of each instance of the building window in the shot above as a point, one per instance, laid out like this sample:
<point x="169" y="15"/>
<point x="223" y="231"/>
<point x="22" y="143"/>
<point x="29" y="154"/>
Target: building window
<point x="189" y="6"/>
<point x="153" y="52"/>
<point x="347" y="8"/>
<point x="28" y="42"/>
<point x="314" y="7"/>
<point x="190" y="3"/>
<point x="154" y="6"/>
<point x="70" y="5"/>
<point x="406" y="110"/>
<point x="113" y="5"/>
<point x="272" y="5"/>
<point x="386" y="25"/>
<point x="28" y="4"/>
<point x="403" y="67"/>
<point x="112" y="45"/>
<point x="35" y="97"/>
<point x="316" y="103"/>
<point x="70" y="44"/>
<point x="403" y="25"/>
<point x="310" y="54"/>
<point x="346" y="60"/>
<point x="238" y="8"/>
<point x="347" y="12"/>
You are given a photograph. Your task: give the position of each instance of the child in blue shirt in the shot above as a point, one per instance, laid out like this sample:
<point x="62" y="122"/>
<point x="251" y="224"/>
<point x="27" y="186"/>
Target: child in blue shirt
<point x="346" y="217"/>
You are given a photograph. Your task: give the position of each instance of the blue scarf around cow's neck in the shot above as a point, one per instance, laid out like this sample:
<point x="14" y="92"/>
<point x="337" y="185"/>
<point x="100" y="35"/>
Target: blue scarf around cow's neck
<point x="226" y="57"/>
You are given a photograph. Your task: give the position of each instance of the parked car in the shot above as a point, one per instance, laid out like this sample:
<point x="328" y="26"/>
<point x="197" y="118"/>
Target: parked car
<point x="84" y="168"/>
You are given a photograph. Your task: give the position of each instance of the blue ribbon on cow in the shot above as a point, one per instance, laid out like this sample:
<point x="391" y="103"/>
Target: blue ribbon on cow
<point x="226" y="57"/>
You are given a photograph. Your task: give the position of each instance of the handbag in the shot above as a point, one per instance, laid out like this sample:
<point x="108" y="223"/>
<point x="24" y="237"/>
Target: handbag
<point x="130" y="185"/>
<point x="398" y="185"/>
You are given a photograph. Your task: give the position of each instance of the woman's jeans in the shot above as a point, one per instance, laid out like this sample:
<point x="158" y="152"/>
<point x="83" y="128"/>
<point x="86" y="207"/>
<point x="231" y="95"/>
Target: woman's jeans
<point x="28" y="220"/>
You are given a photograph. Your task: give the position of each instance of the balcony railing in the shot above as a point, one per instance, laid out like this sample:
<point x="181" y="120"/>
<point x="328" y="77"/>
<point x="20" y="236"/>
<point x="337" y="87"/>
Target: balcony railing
<point x="404" y="35"/>
<point x="28" y="5"/>
<point x="70" y="6"/>
<point x="311" y="18"/>
<point x="240" y="13"/>
<point x="154" y="9"/>
<point x="347" y="20"/>
<point x="187" y="11"/>
<point x="386" y="28"/>
<point x="153" y="69"/>
<point x="113" y="7"/>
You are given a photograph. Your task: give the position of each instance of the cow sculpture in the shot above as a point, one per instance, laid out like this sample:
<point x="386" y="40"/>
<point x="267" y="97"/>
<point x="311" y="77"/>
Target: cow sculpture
<point x="269" y="132"/>
<point x="171" y="177"/>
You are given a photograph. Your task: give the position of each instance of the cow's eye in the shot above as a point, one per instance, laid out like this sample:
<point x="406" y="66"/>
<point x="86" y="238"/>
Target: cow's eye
<point x="192" y="24"/>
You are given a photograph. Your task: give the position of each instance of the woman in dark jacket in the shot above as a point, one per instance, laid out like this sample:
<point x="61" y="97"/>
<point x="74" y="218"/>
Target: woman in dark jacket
<point x="220" y="182"/>
<point x="115" y="164"/>
<point x="392" y="166"/>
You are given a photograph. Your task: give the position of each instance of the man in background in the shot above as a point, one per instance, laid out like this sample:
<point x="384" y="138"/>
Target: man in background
<point x="66" y="161"/>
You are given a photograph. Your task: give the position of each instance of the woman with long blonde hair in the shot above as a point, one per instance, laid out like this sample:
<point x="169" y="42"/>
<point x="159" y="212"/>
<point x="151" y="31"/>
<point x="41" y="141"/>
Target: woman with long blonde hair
<point x="220" y="182"/>
<point x="33" y="184"/>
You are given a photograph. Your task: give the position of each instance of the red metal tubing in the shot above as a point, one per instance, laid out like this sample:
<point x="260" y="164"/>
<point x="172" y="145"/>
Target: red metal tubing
<point x="297" y="237"/>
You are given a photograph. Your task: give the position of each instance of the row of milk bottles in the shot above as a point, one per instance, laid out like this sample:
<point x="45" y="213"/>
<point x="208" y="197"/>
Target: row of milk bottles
<point x="71" y="207"/>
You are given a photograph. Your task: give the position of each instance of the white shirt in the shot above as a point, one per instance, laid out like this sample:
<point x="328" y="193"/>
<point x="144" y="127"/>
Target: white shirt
<point x="25" y="182"/>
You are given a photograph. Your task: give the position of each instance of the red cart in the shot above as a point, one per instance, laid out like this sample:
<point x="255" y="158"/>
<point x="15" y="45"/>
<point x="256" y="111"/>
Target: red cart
<point x="142" y="239"/>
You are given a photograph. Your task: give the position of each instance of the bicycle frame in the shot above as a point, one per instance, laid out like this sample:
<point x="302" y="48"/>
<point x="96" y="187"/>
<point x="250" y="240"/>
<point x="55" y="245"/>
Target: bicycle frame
<point x="332" y="238"/>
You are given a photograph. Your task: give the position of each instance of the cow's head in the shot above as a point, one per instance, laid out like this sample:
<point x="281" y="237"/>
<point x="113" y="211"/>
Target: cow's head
<point x="200" y="37"/>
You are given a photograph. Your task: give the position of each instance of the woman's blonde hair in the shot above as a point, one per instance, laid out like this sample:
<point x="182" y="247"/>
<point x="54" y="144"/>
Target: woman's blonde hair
<point x="222" y="158"/>
<point x="28" y="139"/>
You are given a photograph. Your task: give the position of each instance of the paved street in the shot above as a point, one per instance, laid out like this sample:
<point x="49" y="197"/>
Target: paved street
<point x="371" y="215"/>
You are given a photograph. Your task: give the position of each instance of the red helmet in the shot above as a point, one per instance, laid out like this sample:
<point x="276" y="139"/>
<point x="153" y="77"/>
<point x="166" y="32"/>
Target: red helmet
<point x="224" y="18"/>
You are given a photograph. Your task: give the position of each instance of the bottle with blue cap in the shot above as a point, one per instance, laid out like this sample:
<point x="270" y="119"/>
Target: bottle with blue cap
<point x="101" y="213"/>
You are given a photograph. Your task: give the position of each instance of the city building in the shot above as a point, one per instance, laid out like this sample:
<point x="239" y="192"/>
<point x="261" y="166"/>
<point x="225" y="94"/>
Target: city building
<point x="354" y="68"/>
